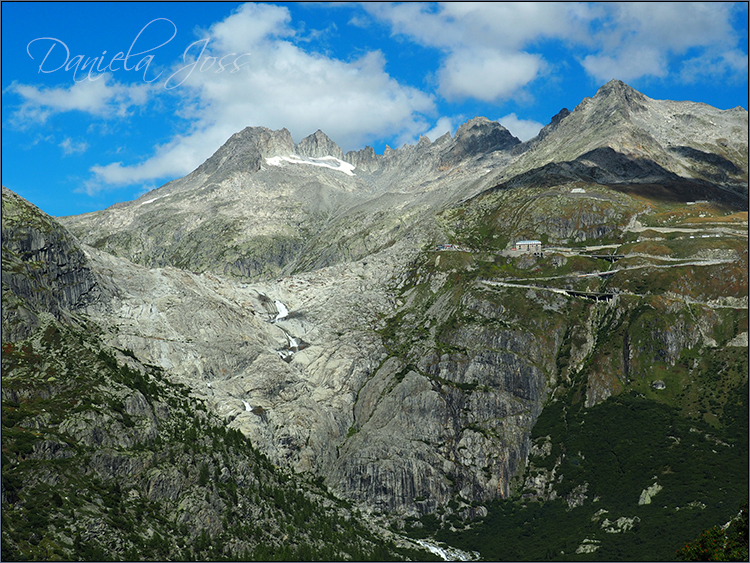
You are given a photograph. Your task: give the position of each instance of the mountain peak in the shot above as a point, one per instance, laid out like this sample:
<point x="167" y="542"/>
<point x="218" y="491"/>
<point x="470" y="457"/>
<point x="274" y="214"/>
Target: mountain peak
<point x="318" y="145"/>
<point x="482" y="134"/>
<point x="246" y="149"/>
<point x="477" y="136"/>
<point x="268" y="141"/>
<point x="624" y="94"/>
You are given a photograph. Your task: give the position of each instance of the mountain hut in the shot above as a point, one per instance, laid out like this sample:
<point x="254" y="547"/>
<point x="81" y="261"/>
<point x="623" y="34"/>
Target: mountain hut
<point x="528" y="246"/>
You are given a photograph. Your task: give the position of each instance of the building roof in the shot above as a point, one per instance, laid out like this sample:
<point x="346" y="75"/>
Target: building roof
<point x="529" y="242"/>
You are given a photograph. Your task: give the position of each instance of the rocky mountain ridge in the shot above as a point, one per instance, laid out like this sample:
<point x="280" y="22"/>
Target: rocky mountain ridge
<point x="48" y="272"/>
<point x="630" y="123"/>
<point x="268" y="215"/>
<point x="306" y="303"/>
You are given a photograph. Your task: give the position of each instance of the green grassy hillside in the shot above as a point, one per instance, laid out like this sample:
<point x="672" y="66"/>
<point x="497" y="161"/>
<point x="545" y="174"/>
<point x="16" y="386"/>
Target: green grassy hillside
<point x="643" y="439"/>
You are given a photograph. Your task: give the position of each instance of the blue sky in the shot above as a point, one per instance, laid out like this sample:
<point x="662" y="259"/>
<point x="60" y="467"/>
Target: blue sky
<point x="85" y="125"/>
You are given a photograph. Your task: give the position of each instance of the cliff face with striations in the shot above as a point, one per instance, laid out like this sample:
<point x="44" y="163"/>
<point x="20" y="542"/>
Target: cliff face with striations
<point x="44" y="269"/>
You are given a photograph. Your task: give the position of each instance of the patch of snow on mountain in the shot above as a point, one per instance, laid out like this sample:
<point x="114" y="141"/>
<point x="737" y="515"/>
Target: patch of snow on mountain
<point x="154" y="199"/>
<point x="281" y="308"/>
<point x="326" y="161"/>
<point x="292" y="341"/>
<point x="285" y="355"/>
<point x="247" y="405"/>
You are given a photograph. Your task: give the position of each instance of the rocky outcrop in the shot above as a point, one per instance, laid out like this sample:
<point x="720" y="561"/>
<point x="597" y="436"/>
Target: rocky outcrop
<point x="44" y="269"/>
<point x="478" y="136"/>
<point x="364" y="159"/>
<point x="318" y="145"/>
<point x="245" y="150"/>
<point x="648" y="494"/>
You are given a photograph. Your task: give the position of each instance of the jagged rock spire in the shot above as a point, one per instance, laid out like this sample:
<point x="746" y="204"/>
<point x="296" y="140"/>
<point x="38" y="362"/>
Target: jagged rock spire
<point x="317" y="145"/>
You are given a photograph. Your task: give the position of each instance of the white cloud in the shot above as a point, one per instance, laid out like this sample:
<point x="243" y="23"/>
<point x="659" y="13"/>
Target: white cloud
<point x="103" y="98"/>
<point x="176" y="158"/>
<point x="444" y="125"/>
<point x="69" y="146"/>
<point x="524" y="129"/>
<point x="486" y="43"/>
<point x="278" y="85"/>
<point x="359" y="21"/>
<point x="249" y="26"/>
<point x="627" y="64"/>
<point x="499" y="25"/>
<point x="676" y="26"/>
<point x="642" y="38"/>
<point x="493" y="50"/>
<point x="487" y="75"/>
<point x="729" y="65"/>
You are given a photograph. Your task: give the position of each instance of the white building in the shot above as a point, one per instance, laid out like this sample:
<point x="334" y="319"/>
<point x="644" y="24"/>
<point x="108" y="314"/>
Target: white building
<point x="528" y="246"/>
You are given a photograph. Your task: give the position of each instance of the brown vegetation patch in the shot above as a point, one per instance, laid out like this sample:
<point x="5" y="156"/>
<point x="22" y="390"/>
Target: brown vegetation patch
<point x="650" y="247"/>
<point x="682" y="191"/>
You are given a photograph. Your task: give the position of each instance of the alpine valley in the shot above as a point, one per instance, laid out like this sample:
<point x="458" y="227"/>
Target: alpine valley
<point x="294" y="353"/>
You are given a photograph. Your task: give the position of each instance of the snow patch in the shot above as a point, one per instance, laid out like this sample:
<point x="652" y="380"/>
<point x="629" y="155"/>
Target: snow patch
<point x="154" y="199"/>
<point x="292" y="341"/>
<point x="281" y="308"/>
<point x="247" y="405"/>
<point x="326" y="161"/>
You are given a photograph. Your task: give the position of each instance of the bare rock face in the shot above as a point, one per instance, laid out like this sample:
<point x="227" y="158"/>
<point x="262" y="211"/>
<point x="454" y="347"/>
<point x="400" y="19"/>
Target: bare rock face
<point x="280" y="361"/>
<point x="479" y="136"/>
<point x="245" y="151"/>
<point x="458" y="428"/>
<point x="43" y="267"/>
<point x="318" y="145"/>
<point x="364" y="159"/>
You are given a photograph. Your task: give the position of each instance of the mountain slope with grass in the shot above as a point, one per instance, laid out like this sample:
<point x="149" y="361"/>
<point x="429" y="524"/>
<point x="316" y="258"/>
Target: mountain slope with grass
<point x="635" y="320"/>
